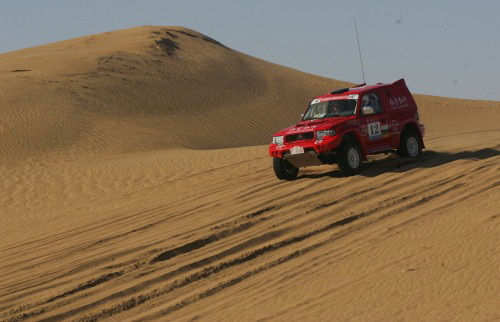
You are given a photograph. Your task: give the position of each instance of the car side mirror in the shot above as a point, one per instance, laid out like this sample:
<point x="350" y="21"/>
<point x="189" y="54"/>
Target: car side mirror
<point x="367" y="110"/>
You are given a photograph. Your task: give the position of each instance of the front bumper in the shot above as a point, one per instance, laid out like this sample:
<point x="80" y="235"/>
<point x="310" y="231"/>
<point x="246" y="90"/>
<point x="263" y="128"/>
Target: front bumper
<point x="311" y="147"/>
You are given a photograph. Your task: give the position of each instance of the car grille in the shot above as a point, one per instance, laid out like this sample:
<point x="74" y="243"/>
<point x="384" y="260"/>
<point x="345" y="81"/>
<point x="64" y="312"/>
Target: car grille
<point x="300" y="137"/>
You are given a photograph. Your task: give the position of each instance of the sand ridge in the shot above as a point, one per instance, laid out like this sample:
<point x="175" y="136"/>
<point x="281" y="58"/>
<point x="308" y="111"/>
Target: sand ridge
<point x="136" y="185"/>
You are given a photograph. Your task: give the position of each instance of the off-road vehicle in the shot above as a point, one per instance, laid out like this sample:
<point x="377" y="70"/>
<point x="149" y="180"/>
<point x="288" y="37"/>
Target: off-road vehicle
<point x="346" y="126"/>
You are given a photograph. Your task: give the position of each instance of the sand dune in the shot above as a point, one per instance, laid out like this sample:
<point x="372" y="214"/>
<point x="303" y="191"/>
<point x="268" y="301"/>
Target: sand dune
<point x="144" y="88"/>
<point x="136" y="185"/>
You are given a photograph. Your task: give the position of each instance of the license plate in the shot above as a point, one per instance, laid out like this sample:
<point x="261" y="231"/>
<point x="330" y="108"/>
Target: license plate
<point x="297" y="150"/>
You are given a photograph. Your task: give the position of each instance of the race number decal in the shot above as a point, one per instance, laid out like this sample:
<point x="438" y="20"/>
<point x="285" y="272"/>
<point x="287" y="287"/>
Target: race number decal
<point x="374" y="131"/>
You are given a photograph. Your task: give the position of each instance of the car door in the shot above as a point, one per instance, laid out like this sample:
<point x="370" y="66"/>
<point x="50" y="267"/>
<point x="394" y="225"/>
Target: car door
<point x="374" y="124"/>
<point x="387" y="96"/>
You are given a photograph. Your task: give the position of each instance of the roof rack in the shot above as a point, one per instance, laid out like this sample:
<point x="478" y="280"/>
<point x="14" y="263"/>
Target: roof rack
<point x="340" y="91"/>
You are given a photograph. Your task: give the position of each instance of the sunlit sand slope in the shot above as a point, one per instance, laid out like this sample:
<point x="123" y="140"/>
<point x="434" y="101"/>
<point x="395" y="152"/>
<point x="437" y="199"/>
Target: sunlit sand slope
<point x="136" y="185"/>
<point x="141" y="89"/>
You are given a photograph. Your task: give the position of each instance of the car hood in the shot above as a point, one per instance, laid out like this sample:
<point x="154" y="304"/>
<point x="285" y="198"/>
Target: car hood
<point x="313" y="125"/>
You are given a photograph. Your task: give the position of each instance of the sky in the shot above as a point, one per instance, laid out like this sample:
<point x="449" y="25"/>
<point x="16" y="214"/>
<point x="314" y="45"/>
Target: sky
<point x="445" y="48"/>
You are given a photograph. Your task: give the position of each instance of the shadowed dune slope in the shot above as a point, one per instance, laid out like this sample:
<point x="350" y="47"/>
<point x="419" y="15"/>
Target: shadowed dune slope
<point x="135" y="185"/>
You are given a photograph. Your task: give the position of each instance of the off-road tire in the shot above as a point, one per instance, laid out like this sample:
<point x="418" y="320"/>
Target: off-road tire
<point x="284" y="170"/>
<point x="410" y="145"/>
<point x="349" y="158"/>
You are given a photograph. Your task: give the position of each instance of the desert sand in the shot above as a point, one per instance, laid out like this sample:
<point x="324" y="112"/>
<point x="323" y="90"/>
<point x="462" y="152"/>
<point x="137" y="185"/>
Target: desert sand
<point x="136" y="185"/>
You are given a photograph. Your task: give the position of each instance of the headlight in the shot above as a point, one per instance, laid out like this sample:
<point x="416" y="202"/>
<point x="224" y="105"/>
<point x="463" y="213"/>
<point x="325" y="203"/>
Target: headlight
<point x="278" y="140"/>
<point x="321" y="134"/>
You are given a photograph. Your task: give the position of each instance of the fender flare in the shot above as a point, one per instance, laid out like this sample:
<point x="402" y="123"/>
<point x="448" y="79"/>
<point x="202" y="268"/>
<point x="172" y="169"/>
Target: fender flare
<point x="354" y="135"/>
<point x="413" y="126"/>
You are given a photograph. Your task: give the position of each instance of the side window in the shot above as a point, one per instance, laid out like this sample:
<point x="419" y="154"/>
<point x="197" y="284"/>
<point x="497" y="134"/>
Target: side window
<point x="372" y="100"/>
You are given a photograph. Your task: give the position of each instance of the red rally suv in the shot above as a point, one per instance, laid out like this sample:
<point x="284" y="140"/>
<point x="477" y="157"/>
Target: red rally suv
<point x="345" y="126"/>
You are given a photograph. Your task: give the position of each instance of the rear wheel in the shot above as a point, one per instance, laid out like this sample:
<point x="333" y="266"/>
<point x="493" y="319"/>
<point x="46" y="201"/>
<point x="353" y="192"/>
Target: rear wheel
<point x="410" y="145"/>
<point x="350" y="160"/>
<point x="284" y="170"/>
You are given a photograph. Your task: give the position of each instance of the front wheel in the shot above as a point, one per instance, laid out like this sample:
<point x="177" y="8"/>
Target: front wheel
<point x="284" y="170"/>
<point x="410" y="145"/>
<point x="350" y="160"/>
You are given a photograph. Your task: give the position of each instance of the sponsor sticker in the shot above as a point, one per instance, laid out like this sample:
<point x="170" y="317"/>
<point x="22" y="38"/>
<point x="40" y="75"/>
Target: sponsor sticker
<point x="335" y="98"/>
<point x="398" y="102"/>
<point x="394" y="126"/>
<point x="363" y="129"/>
<point x="385" y="130"/>
<point x="352" y="123"/>
<point x="301" y="129"/>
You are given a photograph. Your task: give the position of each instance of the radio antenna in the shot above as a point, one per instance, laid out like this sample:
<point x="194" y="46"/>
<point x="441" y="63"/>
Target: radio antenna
<point x="359" y="50"/>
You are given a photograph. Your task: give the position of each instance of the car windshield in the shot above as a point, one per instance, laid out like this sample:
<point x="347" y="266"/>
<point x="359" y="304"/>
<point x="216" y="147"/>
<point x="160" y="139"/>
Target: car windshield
<point x="331" y="108"/>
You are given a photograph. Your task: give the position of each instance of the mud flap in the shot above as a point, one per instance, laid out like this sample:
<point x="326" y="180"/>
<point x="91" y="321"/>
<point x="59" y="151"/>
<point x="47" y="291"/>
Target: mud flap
<point x="303" y="159"/>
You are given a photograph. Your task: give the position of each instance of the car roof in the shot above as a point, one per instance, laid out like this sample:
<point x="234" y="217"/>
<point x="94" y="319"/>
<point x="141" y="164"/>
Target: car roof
<point x="353" y="90"/>
<point x="366" y="88"/>
<point x="358" y="89"/>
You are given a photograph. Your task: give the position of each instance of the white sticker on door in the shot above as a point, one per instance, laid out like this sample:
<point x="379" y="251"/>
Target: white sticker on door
<point x="374" y="131"/>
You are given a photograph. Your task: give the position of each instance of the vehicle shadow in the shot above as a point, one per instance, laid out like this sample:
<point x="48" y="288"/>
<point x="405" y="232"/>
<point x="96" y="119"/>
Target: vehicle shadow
<point x="391" y="163"/>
